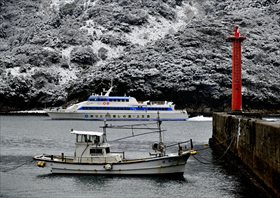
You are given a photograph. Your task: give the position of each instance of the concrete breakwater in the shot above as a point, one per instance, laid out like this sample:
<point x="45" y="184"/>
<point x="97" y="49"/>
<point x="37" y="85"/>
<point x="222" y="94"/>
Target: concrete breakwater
<point x="254" y="142"/>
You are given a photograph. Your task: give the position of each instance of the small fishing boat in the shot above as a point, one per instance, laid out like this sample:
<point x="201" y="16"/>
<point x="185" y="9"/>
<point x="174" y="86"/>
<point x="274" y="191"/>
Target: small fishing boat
<point x="93" y="155"/>
<point x="100" y="107"/>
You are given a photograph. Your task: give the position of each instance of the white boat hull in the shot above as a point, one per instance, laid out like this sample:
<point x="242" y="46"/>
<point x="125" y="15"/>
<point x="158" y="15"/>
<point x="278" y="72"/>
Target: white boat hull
<point x="174" y="165"/>
<point x="115" y="116"/>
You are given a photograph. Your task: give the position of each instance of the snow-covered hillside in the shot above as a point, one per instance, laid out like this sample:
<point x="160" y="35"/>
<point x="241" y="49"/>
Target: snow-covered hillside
<point x="53" y="52"/>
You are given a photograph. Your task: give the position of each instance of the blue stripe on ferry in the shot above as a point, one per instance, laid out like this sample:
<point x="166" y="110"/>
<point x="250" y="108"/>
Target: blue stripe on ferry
<point x="128" y="108"/>
<point x="137" y="119"/>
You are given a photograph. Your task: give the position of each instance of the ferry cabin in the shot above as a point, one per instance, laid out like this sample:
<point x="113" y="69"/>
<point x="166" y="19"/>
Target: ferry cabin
<point x="101" y="107"/>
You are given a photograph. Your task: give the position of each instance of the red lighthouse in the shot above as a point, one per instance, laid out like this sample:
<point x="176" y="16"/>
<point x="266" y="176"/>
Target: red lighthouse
<point x="236" y="98"/>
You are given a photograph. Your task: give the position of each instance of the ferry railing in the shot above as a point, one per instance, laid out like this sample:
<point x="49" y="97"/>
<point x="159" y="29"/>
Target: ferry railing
<point x="153" y="102"/>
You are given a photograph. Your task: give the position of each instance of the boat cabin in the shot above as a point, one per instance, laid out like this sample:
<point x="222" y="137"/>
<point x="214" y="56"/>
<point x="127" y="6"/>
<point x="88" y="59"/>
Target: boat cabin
<point x="92" y="146"/>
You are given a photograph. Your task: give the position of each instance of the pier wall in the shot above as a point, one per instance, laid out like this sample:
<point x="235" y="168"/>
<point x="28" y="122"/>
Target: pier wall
<point x="254" y="141"/>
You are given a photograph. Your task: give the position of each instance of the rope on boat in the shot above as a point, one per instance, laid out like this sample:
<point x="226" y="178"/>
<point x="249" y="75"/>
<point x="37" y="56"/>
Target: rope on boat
<point x="135" y="135"/>
<point x="216" y="160"/>
<point x="16" y="167"/>
<point x="232" y="138"/>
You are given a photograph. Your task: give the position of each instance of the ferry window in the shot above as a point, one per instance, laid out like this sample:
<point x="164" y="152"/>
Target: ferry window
<point x="96" y="116"/>
<point x="114" y="116"/>
<point x="91" y="116"/>
<point x="129" y="116"/>
<point x="127" y="100"/>
<point x="107" y="150"/>
<point x="148" y="116"/>
<point x="143" y="116"/>
<point x="100" y="116"/>
<point x="124" y="116"/>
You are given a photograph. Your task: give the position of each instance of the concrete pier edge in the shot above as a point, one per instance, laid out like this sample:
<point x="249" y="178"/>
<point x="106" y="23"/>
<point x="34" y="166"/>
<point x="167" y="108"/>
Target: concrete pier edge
<point x="253" y="143"/>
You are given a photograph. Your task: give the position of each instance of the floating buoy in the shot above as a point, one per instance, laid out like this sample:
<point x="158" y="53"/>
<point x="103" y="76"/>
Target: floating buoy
<point x="108" y="167"/>
<point x="193" y="152"/>
<point x="41" y="164"/>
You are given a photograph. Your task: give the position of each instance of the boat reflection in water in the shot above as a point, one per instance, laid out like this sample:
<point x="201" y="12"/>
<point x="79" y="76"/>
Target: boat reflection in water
<point x="93" y="155"/>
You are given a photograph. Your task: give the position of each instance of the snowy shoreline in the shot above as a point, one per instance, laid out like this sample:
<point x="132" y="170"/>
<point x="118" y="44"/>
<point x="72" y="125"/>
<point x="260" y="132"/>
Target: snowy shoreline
<point x="32" y="112"/>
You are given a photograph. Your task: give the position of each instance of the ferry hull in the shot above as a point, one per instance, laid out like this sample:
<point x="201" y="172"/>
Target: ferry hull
<point x="115" y="116"/>
<point x="153" y="166"/>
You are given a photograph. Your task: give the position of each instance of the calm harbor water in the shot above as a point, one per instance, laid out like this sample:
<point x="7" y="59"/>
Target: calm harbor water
<point x="25" y="136"/>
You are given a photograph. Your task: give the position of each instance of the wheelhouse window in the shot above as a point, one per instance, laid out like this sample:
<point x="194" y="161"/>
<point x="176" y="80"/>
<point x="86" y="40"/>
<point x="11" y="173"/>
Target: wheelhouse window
<point x="85" y="138"/>
<point x="95" y="151"/>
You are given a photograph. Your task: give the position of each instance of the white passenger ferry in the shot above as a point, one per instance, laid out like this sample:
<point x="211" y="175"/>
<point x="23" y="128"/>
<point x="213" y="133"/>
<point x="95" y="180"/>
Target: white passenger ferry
<point x="101" y="107"/>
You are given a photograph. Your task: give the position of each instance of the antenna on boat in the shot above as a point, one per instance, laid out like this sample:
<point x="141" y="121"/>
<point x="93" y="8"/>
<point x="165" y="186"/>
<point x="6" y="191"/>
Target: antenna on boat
<point x="109" y="90"/>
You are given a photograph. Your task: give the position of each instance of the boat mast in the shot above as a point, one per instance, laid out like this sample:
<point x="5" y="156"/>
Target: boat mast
<point x="159" y="128"/>
<point x="104" y="131"/>
<point x="161" y="146"/>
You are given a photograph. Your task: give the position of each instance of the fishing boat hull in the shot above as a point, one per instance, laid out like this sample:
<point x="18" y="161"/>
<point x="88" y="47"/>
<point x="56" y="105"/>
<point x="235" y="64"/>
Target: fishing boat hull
<point x="166" y="165"/>
<point x="117" y="116"/>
